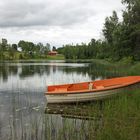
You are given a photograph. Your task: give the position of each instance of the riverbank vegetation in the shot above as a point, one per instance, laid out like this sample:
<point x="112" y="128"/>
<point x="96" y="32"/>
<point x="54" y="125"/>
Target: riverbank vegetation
<point x="111" y="119"/>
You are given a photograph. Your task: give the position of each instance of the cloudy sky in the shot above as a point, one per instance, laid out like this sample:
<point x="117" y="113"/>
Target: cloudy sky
<point x="55" y="21"/>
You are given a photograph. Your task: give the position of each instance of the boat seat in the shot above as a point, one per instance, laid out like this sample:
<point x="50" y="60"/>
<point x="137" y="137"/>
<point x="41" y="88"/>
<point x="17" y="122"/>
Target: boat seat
<point x="99" y="87"/>
<point x="60" y="89"/>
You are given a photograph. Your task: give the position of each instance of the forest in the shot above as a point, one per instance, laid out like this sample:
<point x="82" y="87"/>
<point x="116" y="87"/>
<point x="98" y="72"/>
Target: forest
<point x="121" y="41"/>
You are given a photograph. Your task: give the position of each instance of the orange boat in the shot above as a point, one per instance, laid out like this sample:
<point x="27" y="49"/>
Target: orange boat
<point x="88" y="91"/>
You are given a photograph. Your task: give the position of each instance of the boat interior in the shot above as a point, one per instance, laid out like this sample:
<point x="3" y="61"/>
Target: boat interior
<point x="94" y="85"/>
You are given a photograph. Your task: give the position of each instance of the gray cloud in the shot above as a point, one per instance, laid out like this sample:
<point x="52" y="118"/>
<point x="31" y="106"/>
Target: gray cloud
<point x="18" y="13"/>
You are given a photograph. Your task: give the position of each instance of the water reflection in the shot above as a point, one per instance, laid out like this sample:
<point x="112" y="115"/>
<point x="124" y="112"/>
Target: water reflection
<point x="23" y="70"/>
<point x="26" y="75"/>
<point x="31" y="69"/>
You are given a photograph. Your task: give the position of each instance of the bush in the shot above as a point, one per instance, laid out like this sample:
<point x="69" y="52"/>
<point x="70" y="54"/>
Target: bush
<point x="20" y="56"/>
<point x="127" y="60"/>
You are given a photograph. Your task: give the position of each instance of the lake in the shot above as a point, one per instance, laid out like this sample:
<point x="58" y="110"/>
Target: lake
<point x="23" y="106"/>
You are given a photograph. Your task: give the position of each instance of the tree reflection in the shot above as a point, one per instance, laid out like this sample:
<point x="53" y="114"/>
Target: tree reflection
<point x="22" y="70"/>
<point x="94" y="70"/>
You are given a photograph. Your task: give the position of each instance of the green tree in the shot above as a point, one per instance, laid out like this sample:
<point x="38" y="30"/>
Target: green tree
<point x="131" y="22"/>
<point x="14" y="46"/>
<point x="11" y="53"/>
<point x="54" y="48"/>
<point x="22" y="45"/>
<point x="4" y="44"/>
<point x="1" y="51"/>
<point x="46" y="48"/>
<point x="111" y="31"/>
<point x="110" y="26"/>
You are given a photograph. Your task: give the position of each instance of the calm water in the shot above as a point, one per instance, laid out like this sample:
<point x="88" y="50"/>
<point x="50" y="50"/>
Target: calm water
<point x="22" y="101"/>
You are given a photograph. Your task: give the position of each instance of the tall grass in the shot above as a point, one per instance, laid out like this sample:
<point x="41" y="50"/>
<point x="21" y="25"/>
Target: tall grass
<point x="122" y="117"/>
<point x="112" y="119"/>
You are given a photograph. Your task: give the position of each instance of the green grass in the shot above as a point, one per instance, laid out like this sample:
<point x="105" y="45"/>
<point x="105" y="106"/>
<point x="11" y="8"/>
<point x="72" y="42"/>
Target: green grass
<point x="16" y="55"/>
<point x="55" y="57"/>
<point x="121" y="117"/>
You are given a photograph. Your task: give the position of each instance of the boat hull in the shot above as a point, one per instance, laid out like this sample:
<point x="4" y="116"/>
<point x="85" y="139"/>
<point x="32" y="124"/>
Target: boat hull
<point x="88" y="96"/>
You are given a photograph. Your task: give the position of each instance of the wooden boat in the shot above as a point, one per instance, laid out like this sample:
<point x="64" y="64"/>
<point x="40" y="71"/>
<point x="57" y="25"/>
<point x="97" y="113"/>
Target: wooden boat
<point x="88" y="91"/>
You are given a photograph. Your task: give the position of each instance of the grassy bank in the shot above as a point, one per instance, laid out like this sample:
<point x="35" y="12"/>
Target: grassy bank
<point x="16" y="55"/>
<point x="121" y="118"/>
<point x="56" y="57"/>
<point x="117" y="118"/>
<point x="122" y="115"/>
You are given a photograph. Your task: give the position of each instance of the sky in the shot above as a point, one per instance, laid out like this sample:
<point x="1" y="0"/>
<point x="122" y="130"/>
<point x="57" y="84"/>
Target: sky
<point x="57" y="22"/>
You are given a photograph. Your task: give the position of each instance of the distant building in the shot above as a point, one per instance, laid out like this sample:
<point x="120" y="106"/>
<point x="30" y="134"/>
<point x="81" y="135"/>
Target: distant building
<point x="53" y="53"/>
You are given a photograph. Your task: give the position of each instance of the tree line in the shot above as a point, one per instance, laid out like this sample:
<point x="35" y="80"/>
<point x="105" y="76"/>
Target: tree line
<point x="23" y="50"/>
<point x="121" y="39"/>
